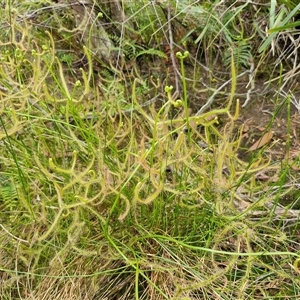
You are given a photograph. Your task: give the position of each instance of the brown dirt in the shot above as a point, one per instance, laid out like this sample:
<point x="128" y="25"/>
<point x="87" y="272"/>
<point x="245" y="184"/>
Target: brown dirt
<point x="264" y="115"/>
<point x="265" y="112"/>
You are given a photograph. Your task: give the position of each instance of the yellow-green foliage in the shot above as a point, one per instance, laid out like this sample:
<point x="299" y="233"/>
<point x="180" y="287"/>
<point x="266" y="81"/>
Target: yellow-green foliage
<point x="83" y="155"/>
<point x="101" y="182"/>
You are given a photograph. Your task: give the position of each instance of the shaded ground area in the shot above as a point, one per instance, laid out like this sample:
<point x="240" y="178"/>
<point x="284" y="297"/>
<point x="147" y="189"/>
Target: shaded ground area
<point x="266" y="110"/>
<point x="270" y="113"/>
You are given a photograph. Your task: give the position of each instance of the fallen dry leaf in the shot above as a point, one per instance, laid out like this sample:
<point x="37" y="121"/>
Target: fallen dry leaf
<point x="246" y="128"/>
<point x="261" y="129"/>
<point x="295" y="168"/>
<point x="266" y="138"/>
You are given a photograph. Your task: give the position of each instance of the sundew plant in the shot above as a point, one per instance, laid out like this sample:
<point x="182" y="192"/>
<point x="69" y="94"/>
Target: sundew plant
<point x="123" y="165"/>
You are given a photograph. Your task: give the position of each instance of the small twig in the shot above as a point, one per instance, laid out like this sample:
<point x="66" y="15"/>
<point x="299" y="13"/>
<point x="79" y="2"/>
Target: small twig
<point x="172" y="55"/>
<point x="251" y="82"/>
<point x="212" y="97"/>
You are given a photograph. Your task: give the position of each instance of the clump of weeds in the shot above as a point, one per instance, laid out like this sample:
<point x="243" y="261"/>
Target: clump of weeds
<point x="104" y="197"/>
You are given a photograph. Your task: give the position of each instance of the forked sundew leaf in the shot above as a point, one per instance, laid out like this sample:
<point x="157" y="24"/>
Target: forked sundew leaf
<point x="266" y="138"/>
